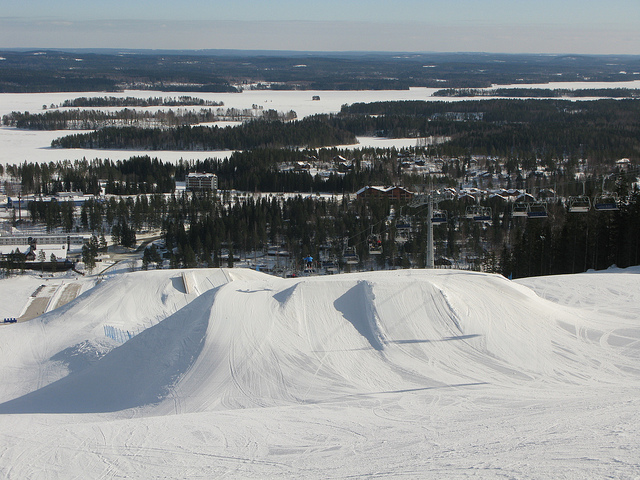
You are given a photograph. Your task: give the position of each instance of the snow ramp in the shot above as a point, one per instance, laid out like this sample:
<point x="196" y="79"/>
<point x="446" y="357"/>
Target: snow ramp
<point x="253" y="340"/>
<point x="71" y="338"/>
<point x="138" y="373"/>
<point x="273" y="341"/>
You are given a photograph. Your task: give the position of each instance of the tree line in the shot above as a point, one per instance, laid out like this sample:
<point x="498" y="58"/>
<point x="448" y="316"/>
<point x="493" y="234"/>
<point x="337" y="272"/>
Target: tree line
<point x="516" y="247"/>
<point x="575" y="242"/>
<point x="311" y="132"/>
<point x="599" y="131"/>
<point x="211" y="229"/>
<point x="277" y="170"/>
<point x="110" y="101"/>
<point x="540" y="92"/>
<point x="49" y="70"/>
<point x="78" y="119"/>
<point x="140" y="174"/>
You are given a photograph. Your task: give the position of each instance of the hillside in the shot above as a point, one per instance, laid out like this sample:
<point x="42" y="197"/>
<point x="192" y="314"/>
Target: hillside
<point x="408" y="372"/>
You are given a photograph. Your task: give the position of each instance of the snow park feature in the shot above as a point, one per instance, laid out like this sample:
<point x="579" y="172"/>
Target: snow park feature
<point x="403" y="373"/>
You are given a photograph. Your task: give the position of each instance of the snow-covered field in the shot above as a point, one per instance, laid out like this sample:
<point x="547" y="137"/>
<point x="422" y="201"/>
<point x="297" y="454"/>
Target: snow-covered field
<point x="406" y="373"/>
<point x="17" y="146"/>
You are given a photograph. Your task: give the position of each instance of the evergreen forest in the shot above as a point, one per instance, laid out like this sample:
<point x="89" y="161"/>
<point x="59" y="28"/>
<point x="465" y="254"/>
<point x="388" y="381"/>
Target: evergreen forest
<point x="287" y="186"/>
<point x="598" y="130"/>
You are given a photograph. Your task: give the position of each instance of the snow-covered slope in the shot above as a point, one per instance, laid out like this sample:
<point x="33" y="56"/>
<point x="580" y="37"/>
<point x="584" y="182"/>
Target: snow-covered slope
<point x="316" y="371"/>
<point x="36" y="353"/>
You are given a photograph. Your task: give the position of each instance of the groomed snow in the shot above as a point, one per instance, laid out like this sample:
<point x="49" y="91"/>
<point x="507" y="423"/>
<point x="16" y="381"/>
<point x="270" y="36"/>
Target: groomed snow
<point x="408" y="373"/>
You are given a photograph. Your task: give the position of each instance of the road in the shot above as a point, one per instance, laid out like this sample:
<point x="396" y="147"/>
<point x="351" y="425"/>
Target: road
<point x="119" y="257"/>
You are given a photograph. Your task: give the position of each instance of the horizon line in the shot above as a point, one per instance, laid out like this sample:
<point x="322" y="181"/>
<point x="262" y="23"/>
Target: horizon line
<point x="229" y="51"/>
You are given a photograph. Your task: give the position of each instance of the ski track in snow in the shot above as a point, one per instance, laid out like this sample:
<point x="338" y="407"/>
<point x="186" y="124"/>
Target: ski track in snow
<point x="414" y="374"/>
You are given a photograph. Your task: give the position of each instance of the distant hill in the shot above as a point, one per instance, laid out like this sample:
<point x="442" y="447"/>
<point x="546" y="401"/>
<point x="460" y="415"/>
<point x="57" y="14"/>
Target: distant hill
<point x="226" y="70"/>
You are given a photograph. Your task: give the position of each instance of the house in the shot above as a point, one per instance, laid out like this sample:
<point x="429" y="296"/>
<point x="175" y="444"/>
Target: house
<point x="623" y="164"/>
<point x="525" y="197"/>
<point x="497" y="197"/>
<point x="466" y="197"/>
<point x="302" y="167"/>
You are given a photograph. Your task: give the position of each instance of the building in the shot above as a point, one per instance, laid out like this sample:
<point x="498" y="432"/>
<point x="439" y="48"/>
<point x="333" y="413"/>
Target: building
<point x="393" y="193"/>
<point x="624" y="164"/>
<point x="202" y="181"/>
<point x="48" y="239"/>
<point x="31" y="246"/>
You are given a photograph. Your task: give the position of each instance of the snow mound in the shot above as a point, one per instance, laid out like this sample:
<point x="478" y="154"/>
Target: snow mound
<point x="66" y="340"/>
<point x="273" y="341"/>
<point x="252" y="340"/>
<point x="138" y="373"/>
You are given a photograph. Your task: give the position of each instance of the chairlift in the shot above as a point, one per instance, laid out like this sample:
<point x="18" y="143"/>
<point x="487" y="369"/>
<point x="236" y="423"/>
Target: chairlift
<point x="579" y="204"/>
<point x="478" y="213"/>
<point x="537" y="210"/>
<point x="403" y="224"/>
<point x="439" y="217"/>
<point x="375" y="244"/>
<point x="606" y="202"/>
<point x="330" y="265"/>
<point x="350" y="256"/>
<point x="403" y="229"/>
<point x="520" y="209"/>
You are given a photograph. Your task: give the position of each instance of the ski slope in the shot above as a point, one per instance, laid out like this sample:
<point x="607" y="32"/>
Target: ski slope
<point x="409" y="373"/>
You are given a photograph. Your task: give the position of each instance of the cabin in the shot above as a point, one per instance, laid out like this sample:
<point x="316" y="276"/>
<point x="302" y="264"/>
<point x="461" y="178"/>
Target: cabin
<point x="623" y="164"/>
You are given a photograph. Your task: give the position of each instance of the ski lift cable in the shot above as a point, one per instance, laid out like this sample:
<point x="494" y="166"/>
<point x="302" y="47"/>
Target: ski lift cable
<point x="371" y="227"/>
<point x="595" y="177"/>
<point x="387" y="229"/>
<point x="422" y="208"/>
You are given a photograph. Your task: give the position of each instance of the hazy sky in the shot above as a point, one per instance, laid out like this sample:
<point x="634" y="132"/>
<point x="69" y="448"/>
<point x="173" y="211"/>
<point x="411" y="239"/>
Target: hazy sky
<point x="511" y="26"/>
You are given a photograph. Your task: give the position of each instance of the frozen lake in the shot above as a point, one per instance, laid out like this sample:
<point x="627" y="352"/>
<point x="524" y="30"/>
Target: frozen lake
<point x="17" y="146"/>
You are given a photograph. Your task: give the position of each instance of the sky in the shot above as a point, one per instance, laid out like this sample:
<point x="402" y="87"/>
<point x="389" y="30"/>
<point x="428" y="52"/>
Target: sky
<point x="503" y="26"/>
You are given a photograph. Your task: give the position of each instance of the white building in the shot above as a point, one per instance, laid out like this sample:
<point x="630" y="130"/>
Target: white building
<point x="31" y="246"/>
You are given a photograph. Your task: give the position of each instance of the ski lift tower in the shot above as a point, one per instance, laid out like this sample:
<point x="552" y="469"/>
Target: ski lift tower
<point x="429" y="199"/>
